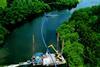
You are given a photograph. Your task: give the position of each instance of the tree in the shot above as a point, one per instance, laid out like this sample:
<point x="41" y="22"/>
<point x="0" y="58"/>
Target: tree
<point x="3" y="3"/>
<point x="83" y="31"/>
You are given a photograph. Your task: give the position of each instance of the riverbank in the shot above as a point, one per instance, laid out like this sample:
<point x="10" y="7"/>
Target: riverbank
<point x="20" y="12"/>
<point x="82" y="35"/>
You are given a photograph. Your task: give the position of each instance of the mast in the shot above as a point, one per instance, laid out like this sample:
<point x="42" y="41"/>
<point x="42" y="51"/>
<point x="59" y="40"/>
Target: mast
<point x="58" y="42"/>
<point x="62" y="46"/>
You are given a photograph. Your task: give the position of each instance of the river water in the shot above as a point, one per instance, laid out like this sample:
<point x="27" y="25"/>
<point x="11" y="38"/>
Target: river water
<point x="19" y="45"/>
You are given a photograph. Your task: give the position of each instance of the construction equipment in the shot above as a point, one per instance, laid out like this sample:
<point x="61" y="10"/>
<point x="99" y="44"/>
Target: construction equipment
<point x="58" y="55"/>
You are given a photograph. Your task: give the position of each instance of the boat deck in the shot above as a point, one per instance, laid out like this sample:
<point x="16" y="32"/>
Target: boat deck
<point x="51" y="60"/>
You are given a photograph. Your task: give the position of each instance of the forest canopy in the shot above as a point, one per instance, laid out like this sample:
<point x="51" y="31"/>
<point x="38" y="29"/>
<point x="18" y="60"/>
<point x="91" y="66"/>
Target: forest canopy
<point x="82" y="37"/>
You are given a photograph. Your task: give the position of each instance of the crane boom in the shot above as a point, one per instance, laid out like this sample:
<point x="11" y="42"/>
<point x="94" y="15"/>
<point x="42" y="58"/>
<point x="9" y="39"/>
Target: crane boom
<point x="58" y="55"/>
<point x="53" y="48"/>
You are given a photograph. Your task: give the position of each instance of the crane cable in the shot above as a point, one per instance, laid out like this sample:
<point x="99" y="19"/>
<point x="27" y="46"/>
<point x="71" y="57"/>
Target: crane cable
<point x="45" y="43"/>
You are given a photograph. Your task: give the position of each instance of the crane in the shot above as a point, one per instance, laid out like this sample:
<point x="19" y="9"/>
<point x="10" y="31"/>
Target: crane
<point x="58" y="55"/>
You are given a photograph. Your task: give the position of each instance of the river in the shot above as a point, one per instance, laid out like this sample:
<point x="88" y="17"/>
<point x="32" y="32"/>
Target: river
<point x="19" y="45"/>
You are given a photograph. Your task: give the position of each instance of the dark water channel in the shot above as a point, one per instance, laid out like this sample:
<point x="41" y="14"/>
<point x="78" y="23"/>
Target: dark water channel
<point x="19" y="45"/>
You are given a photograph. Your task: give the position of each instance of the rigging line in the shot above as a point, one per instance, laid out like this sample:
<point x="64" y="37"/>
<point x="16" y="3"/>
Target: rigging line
<point x="43" y="36"/>
<point x="45" y="42"/>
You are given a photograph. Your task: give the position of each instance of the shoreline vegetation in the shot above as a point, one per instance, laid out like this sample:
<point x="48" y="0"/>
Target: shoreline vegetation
<point x="81" y="35"/>
<point x="14" y="13"/>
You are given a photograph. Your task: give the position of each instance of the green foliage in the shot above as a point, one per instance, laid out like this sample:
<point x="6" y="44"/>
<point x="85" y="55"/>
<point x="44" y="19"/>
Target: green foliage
<point x="22" y="3"/>
<point x="49" y="1"/>
<point x="20" y="11"/>
<point x="61" y="4"/>
<point x="39" y="6"/>
<point x="67" y="2"/>
<point x="82" y="31"/>
<point x="3" y="32"/>
<point x="3" y="3"/>
<point x="74" y="52"/>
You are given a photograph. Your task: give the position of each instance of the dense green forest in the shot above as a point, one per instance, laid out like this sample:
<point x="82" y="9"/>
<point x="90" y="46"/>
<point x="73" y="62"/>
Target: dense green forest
<point x="14" y="13"/>
<point x="81" y="35"/>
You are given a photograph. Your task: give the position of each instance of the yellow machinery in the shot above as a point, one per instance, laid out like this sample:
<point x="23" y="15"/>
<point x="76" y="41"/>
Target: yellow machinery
<point x="58" y="55"/>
